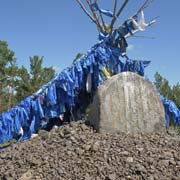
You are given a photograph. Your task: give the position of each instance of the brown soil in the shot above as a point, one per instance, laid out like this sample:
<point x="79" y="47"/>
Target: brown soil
<point x="76" y="152"/>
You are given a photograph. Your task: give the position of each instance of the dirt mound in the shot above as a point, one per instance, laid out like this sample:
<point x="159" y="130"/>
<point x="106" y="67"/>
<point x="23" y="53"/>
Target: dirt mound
<point x="74" y="151"/>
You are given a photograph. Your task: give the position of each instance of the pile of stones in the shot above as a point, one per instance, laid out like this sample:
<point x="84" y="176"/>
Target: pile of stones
<point x="75" y="151"/>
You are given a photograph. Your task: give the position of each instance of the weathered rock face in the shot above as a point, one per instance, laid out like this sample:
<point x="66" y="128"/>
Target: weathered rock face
<point x="75" y="152"/>
<point x="127" y="103"/>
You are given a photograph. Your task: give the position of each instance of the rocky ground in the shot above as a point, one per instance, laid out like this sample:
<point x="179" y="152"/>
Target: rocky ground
<point x="75" y="152"/>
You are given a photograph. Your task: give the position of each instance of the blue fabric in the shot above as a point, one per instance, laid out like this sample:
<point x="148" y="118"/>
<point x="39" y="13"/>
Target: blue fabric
<point x="171" y="111"/>
<point x="134" y="66"/>
<point x="105" y="12"/>
<point x="127" y="27"/>
<point x="51" y="95"/>
<point x="65" y="90"/>
<point x="102" y="36"/>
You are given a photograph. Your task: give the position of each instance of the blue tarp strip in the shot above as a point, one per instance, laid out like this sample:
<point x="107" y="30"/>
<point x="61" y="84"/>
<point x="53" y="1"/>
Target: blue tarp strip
<point x="51" y="99"/>
<point x="171" y="111"/>
<point x="63" y="92"/>
<point x="103" y="11"/>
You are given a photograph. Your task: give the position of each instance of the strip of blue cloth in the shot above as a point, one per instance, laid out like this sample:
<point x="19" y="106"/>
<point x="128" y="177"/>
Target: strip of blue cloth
<point x="103" y="11"/>
<point x="65" y="90"/>
<point x="171" y="111"/>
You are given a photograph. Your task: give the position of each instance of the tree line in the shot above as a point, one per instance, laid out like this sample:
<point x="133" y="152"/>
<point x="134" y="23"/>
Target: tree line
<point x="16" y="82"/>
<point x="165" y="89"/>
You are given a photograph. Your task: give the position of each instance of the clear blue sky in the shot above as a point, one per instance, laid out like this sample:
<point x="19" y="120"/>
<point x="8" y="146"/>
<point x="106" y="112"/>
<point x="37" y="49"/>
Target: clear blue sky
<point x="58" y="30"/>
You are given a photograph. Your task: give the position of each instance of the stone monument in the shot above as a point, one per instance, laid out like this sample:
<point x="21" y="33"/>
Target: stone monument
<point x="127" y="103"/>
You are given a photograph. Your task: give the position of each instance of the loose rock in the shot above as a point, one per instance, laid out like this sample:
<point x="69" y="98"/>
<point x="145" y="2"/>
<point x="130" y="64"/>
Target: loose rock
<point x="75" y="151"/>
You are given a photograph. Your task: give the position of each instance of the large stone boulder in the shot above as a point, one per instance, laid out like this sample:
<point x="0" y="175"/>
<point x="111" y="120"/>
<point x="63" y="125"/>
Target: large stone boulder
<point x="127" y="103"/>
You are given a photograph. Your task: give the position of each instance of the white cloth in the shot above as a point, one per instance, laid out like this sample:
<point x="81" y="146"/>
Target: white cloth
<point x="140" y="25"/>
<point x="89" y="83"/>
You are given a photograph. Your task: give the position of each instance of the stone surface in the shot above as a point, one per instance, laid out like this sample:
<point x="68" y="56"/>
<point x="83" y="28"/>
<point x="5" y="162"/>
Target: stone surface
<point x="127" y="103"/>
<point x="87" y="155"/>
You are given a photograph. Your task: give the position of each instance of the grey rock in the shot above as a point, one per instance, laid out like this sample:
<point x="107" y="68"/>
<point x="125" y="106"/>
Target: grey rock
<point x="93" y="156"/>
<point x="43" y="134"/>
<point x="151" y="178"/>
<point x="112" y="176"/>
<point x="172" y="161"/>
<point x="67" y="132"/>
<point x="84" y="127"/>
<point x="178" y="163"/>
<point x="80" y="151"/>
<point x="130" y="159"/>
<point x="140" y="168"/>
<point x="26" y="176"/>
<point x="124" y="153"/>
<point x="87" y="177"/>
<point x="87" y="147"/>
<point x="127" y="103"/>
<point x="61" y="134"/>
<point x="164" y="163"/>
<point x="68" y="143"/>
<point x="168" y="155"/>
<point x="96" y="146"/>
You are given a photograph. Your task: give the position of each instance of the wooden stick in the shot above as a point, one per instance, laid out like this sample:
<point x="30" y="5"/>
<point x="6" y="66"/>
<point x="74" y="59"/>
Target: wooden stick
<point x="148" y="25"/>
<point x="122" y="8"/>
<point x="144" y="37"/>
<point x="114" y="16"/>
<point x="103" y="22"/>
<point x="118" y="14"/>
<point x="145" y="5"/>
<point x="149" y="4"/>
<point x="102" y="19"/>
<point x="85" y="10"/>
<point x="94" y="15"/>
